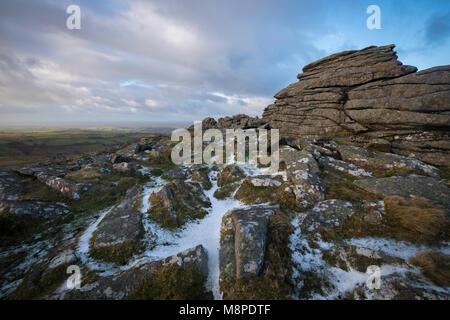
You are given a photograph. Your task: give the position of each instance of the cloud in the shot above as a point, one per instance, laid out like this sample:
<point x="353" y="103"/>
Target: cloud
<point x="166" y="60"/>
<point x="152" y="103"/>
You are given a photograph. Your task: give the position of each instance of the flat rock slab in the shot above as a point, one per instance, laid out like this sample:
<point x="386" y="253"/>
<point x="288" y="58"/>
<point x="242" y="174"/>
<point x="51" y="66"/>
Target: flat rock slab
<point x="412" y="186"/>
<point x="57" y="171"/>
<point x="120" y="286"/>
<point x="264" y="181"/>
<point x="380" y="160"/>
<point x="36" y="209"/>
<point x="10" y="188"/>
<point x="122" y="224"/>
<point x="344" y="166"/>
<point x="243" y="241"/>
<point x="66" y="187"/>
<point x="303" y="170"/>
<point x="328" y="214"/>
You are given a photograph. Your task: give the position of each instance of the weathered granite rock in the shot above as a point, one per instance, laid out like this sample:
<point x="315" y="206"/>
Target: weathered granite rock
<point x="144" y="145"/>
<point x="343" y="166"/>
<point x="229" y="174"/>
<point x="365" y="95"/>
<point x="10" y="187"/>
<point x="125" y="167"/>
<point x="176" y="173"/>
<point x="386" y="161"/>
<point x="66" y="187"/>
<point x="328" y="214"/>
<point x="124" y="284"/>
<point x="264" y="181"/>
<point x="379" y="144"/>
<point x="56" y="171"/>
<point x="243" y="241"/>
<point x="239" y="121"/>
<point x="123" y="225"/>
<point x="174" y="204"/>
<point x="202" y="177"/>
<point x="35" y="209"/>
<point x="412" y="186"/>
<point x="64" y="257"/>
<point x="314" y="148"/>
<point x="303" y="170"/>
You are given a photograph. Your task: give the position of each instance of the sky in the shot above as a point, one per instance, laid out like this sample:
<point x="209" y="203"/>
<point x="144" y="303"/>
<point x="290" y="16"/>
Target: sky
<point x="168" y="61"/>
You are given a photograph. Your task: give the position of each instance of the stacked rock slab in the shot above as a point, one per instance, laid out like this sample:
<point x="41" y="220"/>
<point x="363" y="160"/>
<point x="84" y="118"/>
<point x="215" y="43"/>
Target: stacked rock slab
<point x="365" y="95"/>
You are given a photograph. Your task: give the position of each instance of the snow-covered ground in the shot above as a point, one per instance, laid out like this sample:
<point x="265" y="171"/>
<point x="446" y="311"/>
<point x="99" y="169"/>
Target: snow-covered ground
<point x="161" y="243"/>
<point x="306" y="258"/>
<point x="205" y="232"/>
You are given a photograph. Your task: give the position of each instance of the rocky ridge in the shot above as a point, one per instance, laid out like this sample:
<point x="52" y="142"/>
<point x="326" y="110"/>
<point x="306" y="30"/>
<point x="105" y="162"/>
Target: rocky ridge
<point x="363" y="95"/>
<point x="346" y="198"/>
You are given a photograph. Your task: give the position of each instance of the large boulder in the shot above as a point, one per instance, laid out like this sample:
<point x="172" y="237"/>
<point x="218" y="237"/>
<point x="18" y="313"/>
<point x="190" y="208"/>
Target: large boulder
<point x="34" y="209"/>
<point x="264" y="181"/>
<point x="136" y="282"/>
<point x="303" y="170"/>
<point x="365" y="95"/>
<point x="343" y="166"/>
<point x="66" y="187"/>
<point x="386" y="162"/>
<point x="243" y="241"/>
<point x="202" y="177"/>
<point x="56" y="171"/>
<point x="328" y="214"/>
<point x="118" y="234"/>
<point x="177" y="202"/>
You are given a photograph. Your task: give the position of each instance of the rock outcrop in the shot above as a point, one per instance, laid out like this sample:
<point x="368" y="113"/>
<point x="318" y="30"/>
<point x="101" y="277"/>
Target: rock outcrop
<point x="178" y="202"/>
<point x="328" y="214"/>
<point x="243" y="241"/>
<point x="303" y="170"/>
<point x="119" y="232"/>
<point x="374" y="160"/>
<point x="365" y="95"/>
<point x="35" y="209"/>
<point x="66" y="187"/>
<point x="411" y="186"/>
<point x="239" y="121"/>
<point x="132" y="283"/>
